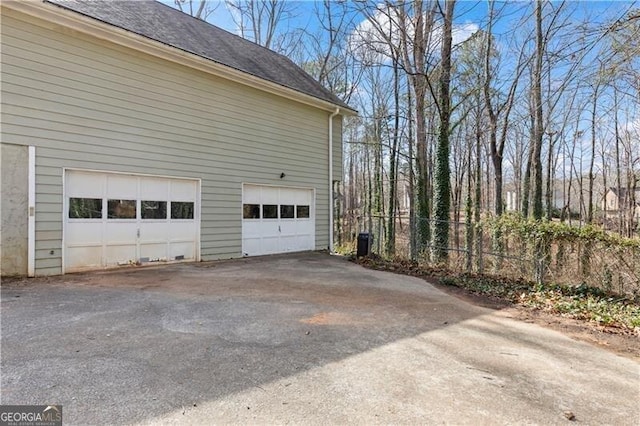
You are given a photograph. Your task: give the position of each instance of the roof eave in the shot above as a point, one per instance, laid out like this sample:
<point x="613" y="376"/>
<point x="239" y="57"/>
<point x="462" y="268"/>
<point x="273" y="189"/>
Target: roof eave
<point x="87" y="25"/>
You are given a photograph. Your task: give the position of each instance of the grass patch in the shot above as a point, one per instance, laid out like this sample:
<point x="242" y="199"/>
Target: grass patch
<point x="590" y="304"/>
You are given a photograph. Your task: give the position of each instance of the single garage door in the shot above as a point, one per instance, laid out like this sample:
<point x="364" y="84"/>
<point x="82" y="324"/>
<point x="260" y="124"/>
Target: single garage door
<point x="117" y="219"/>
<point x="277" y="219"/>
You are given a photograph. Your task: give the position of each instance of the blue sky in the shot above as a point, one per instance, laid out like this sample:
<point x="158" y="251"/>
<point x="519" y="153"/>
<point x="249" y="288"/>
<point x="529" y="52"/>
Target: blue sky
<point x="466" y="11"/>
<point x="221" y="17"/>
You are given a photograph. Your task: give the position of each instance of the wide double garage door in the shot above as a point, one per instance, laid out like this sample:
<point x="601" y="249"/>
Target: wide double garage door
<point x="113" y="219"/>
<point x="277" y="219"/>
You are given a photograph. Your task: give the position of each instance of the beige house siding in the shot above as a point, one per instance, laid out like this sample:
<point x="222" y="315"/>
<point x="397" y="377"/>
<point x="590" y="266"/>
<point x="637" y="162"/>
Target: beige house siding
<point x="610" y="201"/>
<point x="337" y="148"/>
<point x="86" y="103"/>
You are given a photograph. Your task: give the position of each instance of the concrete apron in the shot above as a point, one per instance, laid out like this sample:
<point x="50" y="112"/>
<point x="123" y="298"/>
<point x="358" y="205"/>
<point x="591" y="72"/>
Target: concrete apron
<point x="306" y="338"/>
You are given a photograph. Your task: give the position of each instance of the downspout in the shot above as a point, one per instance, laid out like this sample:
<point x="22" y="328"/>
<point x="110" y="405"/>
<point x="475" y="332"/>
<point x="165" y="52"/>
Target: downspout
<point x="333" y="114"/>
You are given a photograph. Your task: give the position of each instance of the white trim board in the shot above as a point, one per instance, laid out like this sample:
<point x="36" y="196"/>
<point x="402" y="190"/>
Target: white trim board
<point x="31" y="225"/>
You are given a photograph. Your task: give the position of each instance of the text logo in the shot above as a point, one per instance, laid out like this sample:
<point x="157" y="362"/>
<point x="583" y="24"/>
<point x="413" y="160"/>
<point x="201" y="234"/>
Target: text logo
<point x="30" y="415"/>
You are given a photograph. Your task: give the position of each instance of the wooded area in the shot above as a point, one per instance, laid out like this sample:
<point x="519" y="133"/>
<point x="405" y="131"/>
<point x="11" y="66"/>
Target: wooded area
<point x="469" y="111"/>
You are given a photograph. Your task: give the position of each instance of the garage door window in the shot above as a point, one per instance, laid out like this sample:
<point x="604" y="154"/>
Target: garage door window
<point x="153" y="209"/>
<point x="181" y="210"/>
<point x="302" y="212"/>
<point x="121" y="209"/>
<point x="287" y="211"/>
<point x="85" y="208"/>
<point x="251" y="211"/>
<point x="270" y="211"/>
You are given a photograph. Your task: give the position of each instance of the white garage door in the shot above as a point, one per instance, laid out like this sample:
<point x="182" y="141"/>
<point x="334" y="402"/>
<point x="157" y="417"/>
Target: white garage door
<point x="277" y="220"/>
<point x="116" y="219"/>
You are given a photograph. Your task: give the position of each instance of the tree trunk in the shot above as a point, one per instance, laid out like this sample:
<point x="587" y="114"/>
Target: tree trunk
<point x="618" y="168"/>
<point x="593" y="156"/>
<point x="413" y="231"/>
<point x="549" y="186"/>
<point x="442" y="188"/>
<point x="478" y="195"/>
<point x="468" y="212"/>
<point x="393" y="166"/>
<point x="539" y="128"/>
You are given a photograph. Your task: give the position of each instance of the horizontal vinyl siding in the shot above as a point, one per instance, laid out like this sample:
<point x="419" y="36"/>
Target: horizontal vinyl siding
<point x="89" y="104"/>
<point x="337" y="148"/>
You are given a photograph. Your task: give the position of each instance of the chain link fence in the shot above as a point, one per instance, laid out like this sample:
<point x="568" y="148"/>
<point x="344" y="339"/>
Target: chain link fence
<point x="480" y="248"/>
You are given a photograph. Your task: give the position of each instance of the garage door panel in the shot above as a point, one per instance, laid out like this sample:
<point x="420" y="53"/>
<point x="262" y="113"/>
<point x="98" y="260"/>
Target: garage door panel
<point x="251" y="194"/>
<point x="121" y="233"/>
<point x="154" y="189"/>
<point x="302" y="198"/>
<point x="154" y="231"/>
<point x="304" y="242"/>
<point x="288" y="243"/>
<point x="287" y="225"/>
<point x="183" y="190"/>
<point x="269" y="194"/>
<point x="251" y="227"/>
<point x="270" y="228"/>
<point x="120" y="254"/>
<point x="184" y="249"/>
<point x="84" y="233"/>
<point x="83" y="257"/>
<point x="121" y="187"/>
<point x="85" y="185"/>
<point x="181" y="230"/>
<point x="154" y="251"/>
<point x="251" y="246"/>
<point x="270" y="245"/>
<point x="304" y="224"/>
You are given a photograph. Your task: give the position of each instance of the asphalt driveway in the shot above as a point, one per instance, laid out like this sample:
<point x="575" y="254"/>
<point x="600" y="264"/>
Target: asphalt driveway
<point x="296" y="339"/>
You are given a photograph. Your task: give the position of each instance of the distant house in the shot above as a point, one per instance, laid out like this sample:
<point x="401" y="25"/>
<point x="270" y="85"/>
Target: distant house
<point x="134" y="133"/>
<point x="617" y="201"/>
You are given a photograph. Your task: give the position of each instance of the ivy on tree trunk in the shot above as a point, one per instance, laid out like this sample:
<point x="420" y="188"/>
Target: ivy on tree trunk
<point x="442" y="184"/>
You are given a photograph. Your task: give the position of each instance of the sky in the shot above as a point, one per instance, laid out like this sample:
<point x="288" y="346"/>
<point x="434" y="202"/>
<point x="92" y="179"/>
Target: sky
<point x="467" y="11"/>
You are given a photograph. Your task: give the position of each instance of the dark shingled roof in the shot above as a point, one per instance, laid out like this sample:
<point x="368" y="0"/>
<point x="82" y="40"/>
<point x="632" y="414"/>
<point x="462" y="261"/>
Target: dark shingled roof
<point x="169" y="26"/>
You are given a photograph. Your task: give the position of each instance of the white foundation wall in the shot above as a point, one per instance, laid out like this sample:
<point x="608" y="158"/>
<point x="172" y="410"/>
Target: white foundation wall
<point x="14" y="208"/>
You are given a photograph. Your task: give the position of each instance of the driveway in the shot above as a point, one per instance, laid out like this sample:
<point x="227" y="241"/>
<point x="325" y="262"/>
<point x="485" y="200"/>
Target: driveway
<point x="305" y="338"/>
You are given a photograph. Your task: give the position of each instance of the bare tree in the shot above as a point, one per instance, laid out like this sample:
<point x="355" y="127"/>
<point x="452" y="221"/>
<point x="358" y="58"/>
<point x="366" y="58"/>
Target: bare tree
<point x="259" y="20"/>
<point x="501" y="111"/>
<point x="624" y="41"/>
<point x="327" y="53"/>
<point x="406" y="29"/>
<point x="200" y="9"/>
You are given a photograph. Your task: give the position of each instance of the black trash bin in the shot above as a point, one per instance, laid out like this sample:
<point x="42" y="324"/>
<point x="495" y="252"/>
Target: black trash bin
<point x="365" y="240"/>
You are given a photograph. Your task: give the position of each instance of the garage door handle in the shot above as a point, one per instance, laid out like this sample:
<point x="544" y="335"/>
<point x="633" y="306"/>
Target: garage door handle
<point x="138" y="233"/>
<point x="279" y="230"/>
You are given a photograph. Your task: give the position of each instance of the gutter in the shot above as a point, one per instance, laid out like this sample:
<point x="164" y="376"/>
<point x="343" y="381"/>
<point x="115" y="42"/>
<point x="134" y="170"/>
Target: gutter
<point x="333" y="114"/>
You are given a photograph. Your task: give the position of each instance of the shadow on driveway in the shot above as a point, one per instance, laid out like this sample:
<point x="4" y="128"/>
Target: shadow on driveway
<point x="301" y="338"/>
